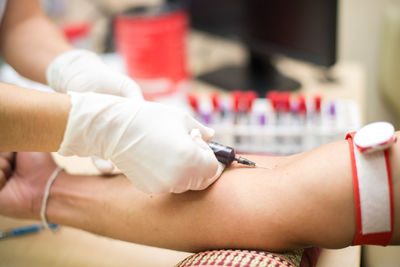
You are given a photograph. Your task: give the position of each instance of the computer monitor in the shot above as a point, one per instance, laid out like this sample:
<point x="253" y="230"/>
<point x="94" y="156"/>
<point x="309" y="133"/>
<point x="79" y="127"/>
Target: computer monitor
<point x="300" y="29"/>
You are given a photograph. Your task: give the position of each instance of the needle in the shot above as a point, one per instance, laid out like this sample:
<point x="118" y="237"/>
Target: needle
<point x="264" y="167"/>
<point x="247" y="162"/>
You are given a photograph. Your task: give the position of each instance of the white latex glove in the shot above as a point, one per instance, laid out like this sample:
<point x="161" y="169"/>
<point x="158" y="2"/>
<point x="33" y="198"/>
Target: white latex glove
<point x="156" y="146"/>
<point x="84" y="71"/>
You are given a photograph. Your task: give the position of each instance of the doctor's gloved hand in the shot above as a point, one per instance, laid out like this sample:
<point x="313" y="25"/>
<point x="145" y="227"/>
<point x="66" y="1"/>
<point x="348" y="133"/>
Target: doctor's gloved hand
<point x="159" y="148"/>
<point x="84" y="71"/>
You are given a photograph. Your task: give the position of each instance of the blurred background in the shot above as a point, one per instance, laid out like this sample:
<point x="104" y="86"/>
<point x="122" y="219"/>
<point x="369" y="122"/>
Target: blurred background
<point x="365" y="28"/>
<point x="343" y="48"/>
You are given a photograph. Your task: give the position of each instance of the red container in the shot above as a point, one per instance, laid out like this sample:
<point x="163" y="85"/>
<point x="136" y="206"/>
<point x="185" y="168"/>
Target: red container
<point x="153" y="46"/>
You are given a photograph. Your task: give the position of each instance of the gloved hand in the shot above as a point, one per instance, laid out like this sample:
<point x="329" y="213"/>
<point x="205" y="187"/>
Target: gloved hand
<point x="84" y="71"/>
<point x="159" y="148"/>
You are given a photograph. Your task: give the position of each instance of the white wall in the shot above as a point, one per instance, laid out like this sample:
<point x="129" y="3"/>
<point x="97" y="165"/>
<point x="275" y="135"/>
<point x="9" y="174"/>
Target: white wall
<point x="360" y="36"/>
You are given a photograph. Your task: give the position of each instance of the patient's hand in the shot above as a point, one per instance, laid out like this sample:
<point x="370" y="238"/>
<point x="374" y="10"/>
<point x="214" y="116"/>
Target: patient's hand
<point x="21" y="193"/>
<point x="6" y="159"/>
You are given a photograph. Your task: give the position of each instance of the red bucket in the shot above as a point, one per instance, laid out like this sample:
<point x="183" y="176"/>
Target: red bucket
<point x="153" y="46"/>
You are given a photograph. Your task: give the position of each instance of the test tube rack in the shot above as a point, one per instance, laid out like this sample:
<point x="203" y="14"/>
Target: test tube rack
<point x="264" y="129"/>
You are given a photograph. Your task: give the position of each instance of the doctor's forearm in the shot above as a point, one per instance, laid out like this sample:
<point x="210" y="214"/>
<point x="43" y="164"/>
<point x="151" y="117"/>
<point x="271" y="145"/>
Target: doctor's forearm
<point x="29" y="41"/>
<point x="31" y="120"/>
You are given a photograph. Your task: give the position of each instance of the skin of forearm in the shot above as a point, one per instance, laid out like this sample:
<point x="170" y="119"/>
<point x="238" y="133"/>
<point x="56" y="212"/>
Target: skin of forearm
<point x="31" y="120"/>
<point x="306" y="200"/>
<point x="246" y="208"/>
<point x="29" y="41"/>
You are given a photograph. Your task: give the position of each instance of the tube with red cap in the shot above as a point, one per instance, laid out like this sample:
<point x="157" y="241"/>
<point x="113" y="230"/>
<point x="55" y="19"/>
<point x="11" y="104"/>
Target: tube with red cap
<point x="317" y="111"/>
<point x="193" y="102"/>
<point x="215" y="100"/>
<point x="217" y="107"/>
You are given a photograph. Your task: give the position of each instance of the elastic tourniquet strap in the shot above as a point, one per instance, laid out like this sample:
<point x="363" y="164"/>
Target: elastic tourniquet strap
<point x="372" y="180"/>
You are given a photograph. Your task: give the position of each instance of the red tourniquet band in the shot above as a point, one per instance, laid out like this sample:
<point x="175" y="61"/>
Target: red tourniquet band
<point x="382" y="238"/>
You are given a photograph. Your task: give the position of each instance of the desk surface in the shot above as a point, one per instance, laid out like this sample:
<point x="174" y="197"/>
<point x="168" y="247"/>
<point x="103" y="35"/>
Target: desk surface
<point x="73" y="247"/>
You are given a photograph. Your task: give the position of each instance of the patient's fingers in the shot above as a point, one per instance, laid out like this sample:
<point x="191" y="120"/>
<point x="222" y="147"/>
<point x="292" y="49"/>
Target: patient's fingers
<point x="2" y="179"/>
<point x="5" y="167"/>
<point x="7" y="155"/>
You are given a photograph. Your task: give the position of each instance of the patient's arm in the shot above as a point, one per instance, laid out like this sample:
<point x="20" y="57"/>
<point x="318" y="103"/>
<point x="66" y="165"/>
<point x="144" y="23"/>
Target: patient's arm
<point x="306" y="200"/>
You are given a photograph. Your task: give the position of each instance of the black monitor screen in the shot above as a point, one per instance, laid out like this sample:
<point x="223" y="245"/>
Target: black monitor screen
<point x="301" y="29"/>
<point x="304" y="29"/>
<point x="221" y="17"/>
